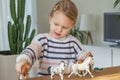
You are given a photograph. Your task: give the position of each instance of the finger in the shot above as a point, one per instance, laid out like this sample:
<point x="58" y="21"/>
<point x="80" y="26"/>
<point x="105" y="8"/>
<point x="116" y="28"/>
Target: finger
<point x="18" y="69"/>
<point x="19" y="72"/>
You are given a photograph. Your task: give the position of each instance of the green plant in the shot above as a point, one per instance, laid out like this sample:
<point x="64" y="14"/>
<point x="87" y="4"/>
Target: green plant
<point x="19" y="35"/>
<point x="116" y="3"/>
<point x="78" y="34"/>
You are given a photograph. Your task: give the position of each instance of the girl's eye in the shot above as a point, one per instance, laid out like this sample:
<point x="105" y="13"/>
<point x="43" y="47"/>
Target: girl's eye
<point x="56" y="24"/>
<point x="65" y="27"/>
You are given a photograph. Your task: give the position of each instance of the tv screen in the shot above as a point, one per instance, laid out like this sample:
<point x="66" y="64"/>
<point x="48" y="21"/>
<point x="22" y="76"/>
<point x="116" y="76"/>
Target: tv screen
<point x="112" y="27"/>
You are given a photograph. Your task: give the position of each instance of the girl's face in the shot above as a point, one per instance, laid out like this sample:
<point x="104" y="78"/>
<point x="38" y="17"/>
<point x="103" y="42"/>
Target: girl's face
<point x="60" y="25"/>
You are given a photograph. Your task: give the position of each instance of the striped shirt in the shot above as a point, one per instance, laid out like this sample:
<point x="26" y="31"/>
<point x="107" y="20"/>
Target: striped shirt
<point x="50" y="51"/>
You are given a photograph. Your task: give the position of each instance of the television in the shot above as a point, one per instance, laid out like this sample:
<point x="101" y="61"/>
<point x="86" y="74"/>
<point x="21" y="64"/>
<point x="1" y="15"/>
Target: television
<point x="112" y="28"/>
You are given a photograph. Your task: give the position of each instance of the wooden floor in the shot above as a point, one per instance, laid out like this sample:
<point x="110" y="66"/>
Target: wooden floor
<point x="105" y="74"/>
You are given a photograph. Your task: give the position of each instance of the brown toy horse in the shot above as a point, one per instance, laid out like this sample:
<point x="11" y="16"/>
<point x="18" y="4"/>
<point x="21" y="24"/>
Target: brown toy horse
<point x="24" y="72"/>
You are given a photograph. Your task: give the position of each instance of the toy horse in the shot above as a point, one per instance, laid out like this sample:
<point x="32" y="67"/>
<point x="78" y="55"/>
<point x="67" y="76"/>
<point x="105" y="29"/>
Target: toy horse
<point x="24" y="71"/>
<point x="57" y="70"/>
<point x="84" y="66"/>
<point x="91" y="63"/>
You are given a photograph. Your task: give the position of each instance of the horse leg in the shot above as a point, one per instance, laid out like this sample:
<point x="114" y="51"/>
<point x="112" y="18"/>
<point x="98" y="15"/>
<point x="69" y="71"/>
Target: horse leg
<point x="52" y="76"/>
<point x="90" y="73"/>
<point x="85" y="73"/>
<point x="70" y="74"/>
<point x="61" y="76"/>
<point x="79" y="74"/>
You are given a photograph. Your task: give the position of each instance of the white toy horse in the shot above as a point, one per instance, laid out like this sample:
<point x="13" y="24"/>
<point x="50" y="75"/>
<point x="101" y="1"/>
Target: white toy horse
<point x="82" y="67"/>
<point x="57" y="70"/>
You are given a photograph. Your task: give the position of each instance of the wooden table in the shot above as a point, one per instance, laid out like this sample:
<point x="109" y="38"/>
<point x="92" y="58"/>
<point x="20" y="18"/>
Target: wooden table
<point x="112" y="73"/>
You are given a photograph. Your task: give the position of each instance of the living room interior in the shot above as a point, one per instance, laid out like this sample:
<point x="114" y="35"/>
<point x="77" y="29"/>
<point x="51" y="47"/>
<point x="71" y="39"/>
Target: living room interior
<point x="40" y="12"/>
<point x="104" y="56"/>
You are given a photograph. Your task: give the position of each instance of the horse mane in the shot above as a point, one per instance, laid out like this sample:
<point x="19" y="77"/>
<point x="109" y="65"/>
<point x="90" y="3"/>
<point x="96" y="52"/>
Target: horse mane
<point x="89" y="54"/>
<point x="80" y="61"/>
<point x="49" y="71"/>
<point x="62" y="62"/>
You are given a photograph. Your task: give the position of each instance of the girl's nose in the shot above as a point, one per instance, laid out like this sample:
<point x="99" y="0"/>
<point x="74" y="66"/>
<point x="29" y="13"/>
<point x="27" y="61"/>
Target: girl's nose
<point x="59" y="29"/>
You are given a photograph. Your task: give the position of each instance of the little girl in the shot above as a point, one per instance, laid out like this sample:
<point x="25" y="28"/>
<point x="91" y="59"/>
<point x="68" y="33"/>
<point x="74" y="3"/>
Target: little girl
<point x="55" y="46"/>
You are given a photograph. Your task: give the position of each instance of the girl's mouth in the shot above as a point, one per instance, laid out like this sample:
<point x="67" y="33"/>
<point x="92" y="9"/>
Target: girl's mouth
<point x="57" y="34"/>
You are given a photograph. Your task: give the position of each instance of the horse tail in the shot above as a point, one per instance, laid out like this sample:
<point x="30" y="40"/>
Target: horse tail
<point x="90" y="67"/>
<point x="49" y="69"/>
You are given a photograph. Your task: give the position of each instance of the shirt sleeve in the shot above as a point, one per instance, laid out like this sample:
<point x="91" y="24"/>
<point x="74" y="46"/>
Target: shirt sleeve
<point x="31" y="52"/>
<point x="79" y="50"/>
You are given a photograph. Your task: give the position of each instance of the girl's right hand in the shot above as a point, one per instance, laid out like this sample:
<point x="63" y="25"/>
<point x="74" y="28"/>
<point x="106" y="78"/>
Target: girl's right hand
<point x="23" y="69"/>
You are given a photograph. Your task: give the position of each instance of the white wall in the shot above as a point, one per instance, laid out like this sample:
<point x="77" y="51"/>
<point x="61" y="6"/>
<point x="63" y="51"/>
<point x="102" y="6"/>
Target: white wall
<point x="96" y="7"/>
<point x="0" y="24"/>
<point x="43" y="10"/>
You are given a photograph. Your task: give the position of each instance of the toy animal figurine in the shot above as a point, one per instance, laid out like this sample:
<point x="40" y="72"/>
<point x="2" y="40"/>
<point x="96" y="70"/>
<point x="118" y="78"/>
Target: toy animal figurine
<point x="24" y="71"/>
<point x="91" y="63"/>
<point x="57" y="70"/>
<point x="84" y="66"/>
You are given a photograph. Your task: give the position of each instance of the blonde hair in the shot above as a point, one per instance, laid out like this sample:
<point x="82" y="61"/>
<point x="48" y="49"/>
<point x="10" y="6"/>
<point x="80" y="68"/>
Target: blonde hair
<point x="67" y="7"/>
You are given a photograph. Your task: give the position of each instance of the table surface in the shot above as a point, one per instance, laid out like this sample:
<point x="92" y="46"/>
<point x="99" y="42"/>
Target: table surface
<point x="111" y="73"/>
